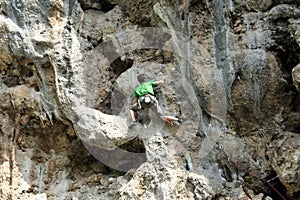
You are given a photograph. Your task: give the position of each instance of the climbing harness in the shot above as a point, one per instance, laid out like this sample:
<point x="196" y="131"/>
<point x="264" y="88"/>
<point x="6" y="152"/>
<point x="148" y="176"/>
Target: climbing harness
<point x="146" y="101"/>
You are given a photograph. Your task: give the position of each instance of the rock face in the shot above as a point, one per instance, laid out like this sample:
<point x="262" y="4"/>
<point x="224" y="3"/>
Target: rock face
<point x="231" y="70"/>
<point x="296" y="76"/>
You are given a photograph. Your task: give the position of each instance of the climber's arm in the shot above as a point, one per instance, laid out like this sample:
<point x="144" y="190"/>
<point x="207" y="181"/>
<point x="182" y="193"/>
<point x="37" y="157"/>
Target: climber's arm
<point x="135" y="97"/>
<point x="159" y="82"/>
<point x="161" y="79"/>
<point x="135" y="100"/>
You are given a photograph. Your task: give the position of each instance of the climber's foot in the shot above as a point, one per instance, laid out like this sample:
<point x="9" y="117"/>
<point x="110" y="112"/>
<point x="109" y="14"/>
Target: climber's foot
<point x="132" y="125"/>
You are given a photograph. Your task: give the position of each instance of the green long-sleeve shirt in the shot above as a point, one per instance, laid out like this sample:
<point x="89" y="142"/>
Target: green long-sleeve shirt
<point x="144" y="88"/>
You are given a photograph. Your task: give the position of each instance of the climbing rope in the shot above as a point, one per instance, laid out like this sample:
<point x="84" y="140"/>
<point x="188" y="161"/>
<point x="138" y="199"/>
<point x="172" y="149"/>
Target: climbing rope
<point x="241" y="168"/>
<point x="248" y="171"/>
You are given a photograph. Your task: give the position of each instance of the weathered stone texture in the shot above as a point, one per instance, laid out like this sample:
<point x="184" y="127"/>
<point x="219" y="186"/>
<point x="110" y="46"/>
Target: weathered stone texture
<point x="68" y="69"/>
<point x="296" y="77"/>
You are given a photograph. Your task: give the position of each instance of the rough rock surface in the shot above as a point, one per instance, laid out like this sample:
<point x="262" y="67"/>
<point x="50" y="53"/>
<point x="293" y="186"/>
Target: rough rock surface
<point x="296" y="77"/>
<point x="68" y="69"/>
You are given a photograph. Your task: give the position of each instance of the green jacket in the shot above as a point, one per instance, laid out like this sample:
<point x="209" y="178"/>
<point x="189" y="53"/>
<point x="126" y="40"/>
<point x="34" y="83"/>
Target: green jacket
<point x="144" y="88"/>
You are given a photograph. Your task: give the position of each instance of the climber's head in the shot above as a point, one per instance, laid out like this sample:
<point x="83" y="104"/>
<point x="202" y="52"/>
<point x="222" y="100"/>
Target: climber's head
<point x="142" y="78"/>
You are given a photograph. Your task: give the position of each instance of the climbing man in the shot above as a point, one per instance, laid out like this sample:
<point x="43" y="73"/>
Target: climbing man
<point x="144" y="97"/>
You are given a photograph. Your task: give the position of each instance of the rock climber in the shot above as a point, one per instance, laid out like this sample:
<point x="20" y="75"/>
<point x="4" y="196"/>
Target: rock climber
<point x="144" y="97"/>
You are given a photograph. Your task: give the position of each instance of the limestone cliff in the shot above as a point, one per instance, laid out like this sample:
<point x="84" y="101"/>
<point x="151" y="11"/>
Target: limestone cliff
<point x="69" y="67"/>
